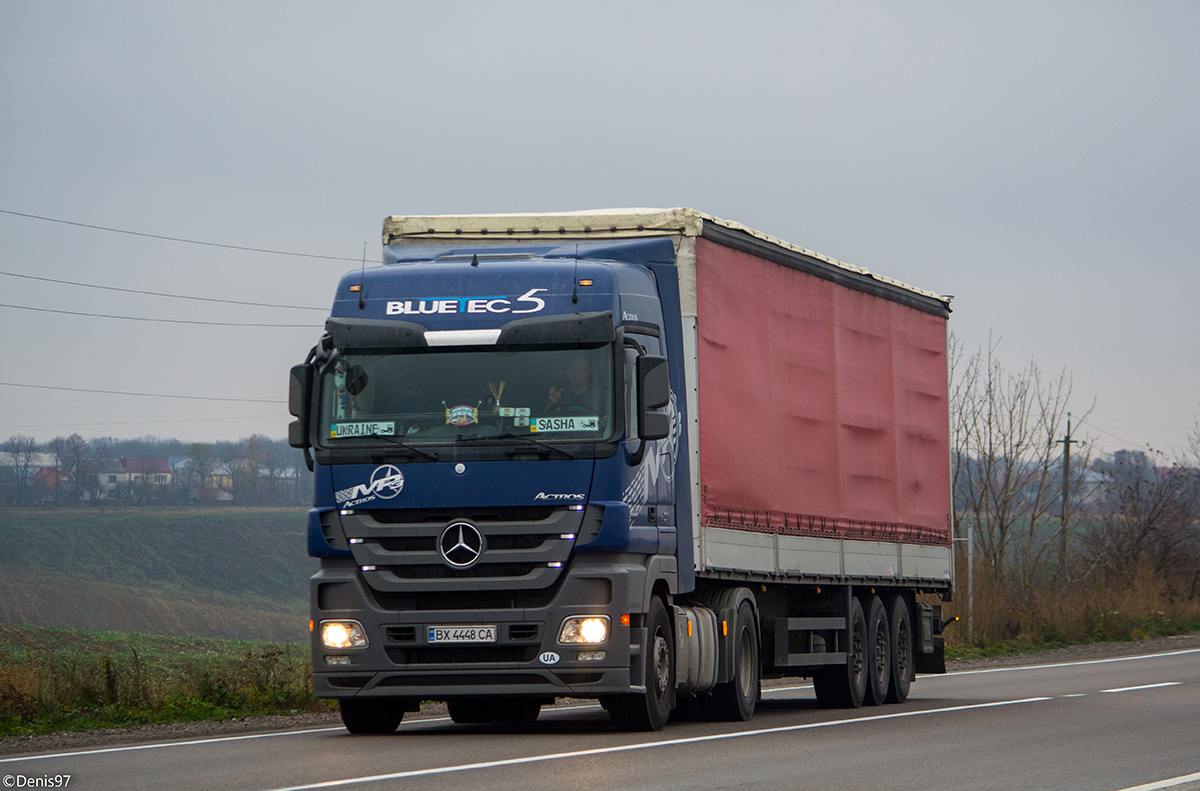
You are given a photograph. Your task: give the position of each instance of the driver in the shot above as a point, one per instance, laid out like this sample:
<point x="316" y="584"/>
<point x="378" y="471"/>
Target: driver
<point x="576" y="392"/>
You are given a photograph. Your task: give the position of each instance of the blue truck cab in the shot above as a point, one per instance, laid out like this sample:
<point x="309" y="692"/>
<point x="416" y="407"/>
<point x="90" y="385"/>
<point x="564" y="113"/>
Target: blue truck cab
<point x="495" y="438"/>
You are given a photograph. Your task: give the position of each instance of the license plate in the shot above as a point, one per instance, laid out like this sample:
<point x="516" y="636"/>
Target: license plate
<point x="462" y="634"/>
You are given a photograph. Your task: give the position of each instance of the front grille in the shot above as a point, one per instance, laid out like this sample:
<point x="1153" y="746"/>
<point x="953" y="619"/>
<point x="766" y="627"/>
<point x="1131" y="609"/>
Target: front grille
<point x="409" y="544"/>
<point x="429" y="543"/>
<point x="410" y="516"/>
<point x="460" y="655"/>
<point x="522" y="547"/>
<point x="465" y="600"/>
<point x="522" y="631"/>
<point x="430" y="572"/>
<point x="401" y="634"/>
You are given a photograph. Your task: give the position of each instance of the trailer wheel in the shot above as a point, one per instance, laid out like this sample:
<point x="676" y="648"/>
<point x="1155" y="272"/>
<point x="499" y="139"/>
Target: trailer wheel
<point x="648" y="711"/>
<point x="845" y="686"/>
<point x="903" y="664"/>
<point x="879" y="652"/>
<point x="371" y="715"/>
<point x="733" y="701"/>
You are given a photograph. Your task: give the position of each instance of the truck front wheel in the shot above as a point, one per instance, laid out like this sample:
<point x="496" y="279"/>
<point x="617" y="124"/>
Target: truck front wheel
<point x="647" y="711"/>
<point x="370" y="715"/>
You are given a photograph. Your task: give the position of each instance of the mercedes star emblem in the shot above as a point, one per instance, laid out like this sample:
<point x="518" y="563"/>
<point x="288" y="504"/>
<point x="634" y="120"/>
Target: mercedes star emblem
<point x="461" y="544"/>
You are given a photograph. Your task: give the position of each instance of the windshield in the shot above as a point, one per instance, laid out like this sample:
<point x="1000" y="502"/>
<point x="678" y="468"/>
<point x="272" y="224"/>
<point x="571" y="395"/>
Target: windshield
<point x="450" y="395"/>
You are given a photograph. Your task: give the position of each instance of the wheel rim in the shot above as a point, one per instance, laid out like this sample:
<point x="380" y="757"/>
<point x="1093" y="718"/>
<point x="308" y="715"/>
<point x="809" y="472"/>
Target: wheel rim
<point x="662" y="664"/>
<point x="859" y="648"/>
<point x="881" y="653"/>
<point x="902" y="646"/>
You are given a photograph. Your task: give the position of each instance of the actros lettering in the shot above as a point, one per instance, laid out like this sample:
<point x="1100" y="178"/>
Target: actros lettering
<point x="544" y="496"/>
<point x="527" y="302"/>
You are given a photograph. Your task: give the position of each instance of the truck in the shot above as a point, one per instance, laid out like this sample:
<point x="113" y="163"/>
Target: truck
<point x="643" y="456"/>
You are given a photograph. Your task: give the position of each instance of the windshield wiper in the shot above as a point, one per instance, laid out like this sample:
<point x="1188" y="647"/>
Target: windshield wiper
<point x="523" y="438"/>
<point x="379" y="454"/>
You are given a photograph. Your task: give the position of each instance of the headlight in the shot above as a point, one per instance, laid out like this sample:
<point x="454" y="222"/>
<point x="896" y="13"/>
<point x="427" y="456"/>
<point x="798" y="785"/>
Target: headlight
<point x="343" y="634"/>
<point x="589" y="629"/>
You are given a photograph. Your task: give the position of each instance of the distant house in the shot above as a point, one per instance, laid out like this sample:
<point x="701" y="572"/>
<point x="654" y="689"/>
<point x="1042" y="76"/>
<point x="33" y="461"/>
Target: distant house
<point x="153" y="471"/>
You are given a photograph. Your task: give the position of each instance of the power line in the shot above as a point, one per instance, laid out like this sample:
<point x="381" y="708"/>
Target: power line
<point x="144" y="395"/>
<point x="159" y="293"/>
<point x="174" y="238"/>
<point x="159" y="321"/>
<point x="1109" y="433"/>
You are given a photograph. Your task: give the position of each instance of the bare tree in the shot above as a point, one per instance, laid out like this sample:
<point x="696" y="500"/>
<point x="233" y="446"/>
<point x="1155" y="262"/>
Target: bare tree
<point x="1007" y="479"/>
<point x="58" y="446"/>
<point x="1148" y="518"/>
<point x="20" y="450"/>
<point x="82" y="477"/>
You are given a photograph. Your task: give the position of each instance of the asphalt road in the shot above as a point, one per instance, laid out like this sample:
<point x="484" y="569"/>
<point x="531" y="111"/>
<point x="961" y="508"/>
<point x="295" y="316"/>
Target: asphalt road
<point x="1112" y="724"/>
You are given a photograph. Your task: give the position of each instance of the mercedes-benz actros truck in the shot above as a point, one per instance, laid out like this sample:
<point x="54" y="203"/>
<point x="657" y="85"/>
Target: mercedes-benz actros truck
<point x="643" y="456"/>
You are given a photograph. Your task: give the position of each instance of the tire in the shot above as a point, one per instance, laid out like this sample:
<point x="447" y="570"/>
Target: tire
<point x="734" y="700"/>
<point x="484" y="710"/>
<point x="370" y="715"/>
<point x="845" y="686"/>
<point x="903" y="661"/>
<point x="879" y="652"/>
<point x="649" y="710"/>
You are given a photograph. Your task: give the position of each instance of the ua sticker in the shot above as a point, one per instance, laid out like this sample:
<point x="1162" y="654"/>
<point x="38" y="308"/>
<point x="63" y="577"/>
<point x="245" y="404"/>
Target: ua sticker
<point x="549" y="658"/>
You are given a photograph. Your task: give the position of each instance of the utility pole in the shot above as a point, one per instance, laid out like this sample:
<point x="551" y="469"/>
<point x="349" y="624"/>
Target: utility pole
<point x="1061" y="573"/>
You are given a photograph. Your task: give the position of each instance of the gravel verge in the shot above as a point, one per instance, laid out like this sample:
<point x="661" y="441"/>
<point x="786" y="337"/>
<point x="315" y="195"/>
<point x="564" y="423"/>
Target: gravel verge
<point x="98" y="739"/>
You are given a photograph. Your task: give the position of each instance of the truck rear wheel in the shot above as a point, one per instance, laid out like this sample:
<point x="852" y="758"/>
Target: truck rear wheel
<point x="370" y="715"/>
<point x="648" y="711"/>
<point x="845" y="686"/>
<point x="879" y="652"/>
<point x="733" y="701"/>
<point x="903" y="667"/>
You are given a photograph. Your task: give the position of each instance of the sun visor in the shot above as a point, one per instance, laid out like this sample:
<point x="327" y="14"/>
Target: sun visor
<point x="375" y="334"/>
<point x="596" y="327"/>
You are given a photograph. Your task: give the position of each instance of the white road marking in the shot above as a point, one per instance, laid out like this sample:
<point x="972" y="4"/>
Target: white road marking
<point x="216" y="739"/>
<point x="439" y="770"/>
<point x="158" y="745"/>
<point x="1144" y="686"/>
<point x="1063" y="664"/>
<point x="192" y="742"/>
<point x="1174" y="781"/>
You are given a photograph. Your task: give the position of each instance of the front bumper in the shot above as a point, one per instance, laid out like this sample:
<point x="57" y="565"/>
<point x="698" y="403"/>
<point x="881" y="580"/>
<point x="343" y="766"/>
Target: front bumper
<point x="525" y="658"/>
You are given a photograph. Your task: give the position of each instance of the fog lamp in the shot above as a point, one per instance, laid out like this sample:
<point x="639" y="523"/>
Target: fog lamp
<point x="343" y="634"/>
<point x="590" y="629"/>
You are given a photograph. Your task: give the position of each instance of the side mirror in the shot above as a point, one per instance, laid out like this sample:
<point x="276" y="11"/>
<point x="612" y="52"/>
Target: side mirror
<point x="299" y="398"/>
<point x="653" y="393"/>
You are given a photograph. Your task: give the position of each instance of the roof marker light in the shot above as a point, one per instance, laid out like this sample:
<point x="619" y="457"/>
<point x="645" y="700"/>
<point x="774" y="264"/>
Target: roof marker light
<point x="587" y="282"/>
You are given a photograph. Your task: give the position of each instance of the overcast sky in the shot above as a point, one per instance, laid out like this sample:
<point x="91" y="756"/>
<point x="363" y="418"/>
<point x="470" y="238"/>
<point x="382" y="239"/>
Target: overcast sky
<point x="1039" y="161"/>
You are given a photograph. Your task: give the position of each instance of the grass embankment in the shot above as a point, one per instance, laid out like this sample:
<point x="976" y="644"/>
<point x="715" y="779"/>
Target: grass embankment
<point x="215" y="572"/>
<point x="1028" y="620"/>
<point x="70" y="679"/>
